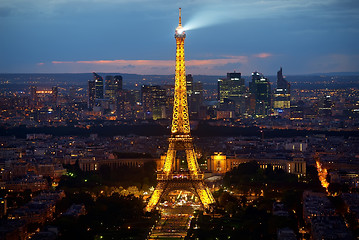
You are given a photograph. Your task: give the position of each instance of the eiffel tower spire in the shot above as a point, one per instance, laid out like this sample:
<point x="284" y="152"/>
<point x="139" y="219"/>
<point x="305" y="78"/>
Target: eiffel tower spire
<point x="179" y="18"/>
<point x="169" y="179"/>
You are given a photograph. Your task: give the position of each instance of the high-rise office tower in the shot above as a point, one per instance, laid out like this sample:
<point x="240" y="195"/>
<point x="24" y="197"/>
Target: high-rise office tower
<point x="117" y="82"/>
<point x="261" y="88"/>
<point x="54" y="95"/>
<point x="72" y="93"/>
<point x="325" y="106"/>
<point x="281" y="82"/>
<point x="98" y="86"/>
<point x="189" y="84"/>
<point x="33" y="96"/>
<point x="91" y="94"/>
<point x="153" y="101"/>
<point x="194" y="96"/>
<point x="232" y="89"/>
<point x="124" y="104"/>
<point x="282" y="94"/>
<point x="112" y="87"/>
<point x="108" y="86"/>
<point x="196" y="101"/>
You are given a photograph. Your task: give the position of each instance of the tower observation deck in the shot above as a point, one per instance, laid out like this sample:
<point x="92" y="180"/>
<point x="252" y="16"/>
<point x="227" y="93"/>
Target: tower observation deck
<point x="192" y="180"/>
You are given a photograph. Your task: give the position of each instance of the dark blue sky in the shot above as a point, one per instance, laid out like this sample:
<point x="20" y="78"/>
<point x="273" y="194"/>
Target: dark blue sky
<point x="136" y="36"/>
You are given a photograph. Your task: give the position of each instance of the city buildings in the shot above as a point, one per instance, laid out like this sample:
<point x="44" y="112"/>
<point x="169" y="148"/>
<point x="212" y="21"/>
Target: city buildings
<point x="261" y="89"/>
<point x="153" y="102"/>
<point x="99" y="87"/>
<point x="91" y="94"/>
<point x="281" y="102"/>
<point x="113" y="87"/>
<point x="231" y="93"/>
<point x="195" y="98"/>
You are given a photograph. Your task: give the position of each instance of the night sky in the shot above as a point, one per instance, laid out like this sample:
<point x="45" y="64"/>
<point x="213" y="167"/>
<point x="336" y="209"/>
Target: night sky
<point x="137" y="36"/>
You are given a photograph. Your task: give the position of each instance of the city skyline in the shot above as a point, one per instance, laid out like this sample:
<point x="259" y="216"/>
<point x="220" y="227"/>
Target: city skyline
<point x="126" y="37"/>
<point x="181" y="156"/>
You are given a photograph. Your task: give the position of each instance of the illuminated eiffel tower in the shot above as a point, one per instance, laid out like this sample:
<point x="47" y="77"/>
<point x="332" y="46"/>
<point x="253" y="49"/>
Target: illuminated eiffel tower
<point x="168" y="179"/>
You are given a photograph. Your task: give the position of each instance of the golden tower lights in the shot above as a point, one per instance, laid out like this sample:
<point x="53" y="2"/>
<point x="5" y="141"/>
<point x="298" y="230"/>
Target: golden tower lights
<point x="180" y="139"/>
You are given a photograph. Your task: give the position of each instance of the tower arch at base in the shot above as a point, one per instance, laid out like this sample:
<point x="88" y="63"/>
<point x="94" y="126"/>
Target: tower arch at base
<point x="198" y="188"/>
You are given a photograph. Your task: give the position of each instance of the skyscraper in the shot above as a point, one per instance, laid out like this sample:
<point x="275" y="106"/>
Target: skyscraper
<point x="108" y="86"/>
<point x="98" y="86"/>
<point x="113" y="87"/>
<point x="261" y="89"/>
<point x="281" y="82"/>
<point x="189" y="84"/>
<point x="153" y="101"/>
<point x="281" y="95"/>
<point x="196" y="101"/>
<point x="54" y="95"/>
<point x="194" y="96"/>
<point x="91" y="94"/>
<point x="231" y="89"/>
<point x="33" y="96"/>
<point x="124" y="104"/>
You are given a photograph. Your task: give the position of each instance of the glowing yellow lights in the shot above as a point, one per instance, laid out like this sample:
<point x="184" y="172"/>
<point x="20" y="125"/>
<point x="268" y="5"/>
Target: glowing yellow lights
<point x="180" y="121"/>
<point x="322" y="173"/>
<point x="181" y="139"/>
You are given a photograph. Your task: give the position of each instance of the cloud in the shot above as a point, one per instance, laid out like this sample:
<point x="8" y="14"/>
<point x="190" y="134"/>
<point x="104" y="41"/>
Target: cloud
<point x="122" y="62"/>
<point x="152" y="66"/>
<point x="262" y="55"/>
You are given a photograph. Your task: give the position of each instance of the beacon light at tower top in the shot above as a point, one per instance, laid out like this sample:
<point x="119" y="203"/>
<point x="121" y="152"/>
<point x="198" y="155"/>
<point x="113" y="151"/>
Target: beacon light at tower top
<point x="180" y="30"/>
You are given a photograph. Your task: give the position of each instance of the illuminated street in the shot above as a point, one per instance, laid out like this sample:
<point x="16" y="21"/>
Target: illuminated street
<point x="174" y="223"/>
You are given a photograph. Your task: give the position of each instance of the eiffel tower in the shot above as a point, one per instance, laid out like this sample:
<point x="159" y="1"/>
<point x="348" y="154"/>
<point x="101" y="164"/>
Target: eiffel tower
<point x="168" y="179"/>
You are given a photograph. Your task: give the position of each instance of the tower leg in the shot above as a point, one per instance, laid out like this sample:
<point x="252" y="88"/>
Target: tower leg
<point x="204" y="193"/>
<point x="156" y="196"/>
<point x="170" y="157"/>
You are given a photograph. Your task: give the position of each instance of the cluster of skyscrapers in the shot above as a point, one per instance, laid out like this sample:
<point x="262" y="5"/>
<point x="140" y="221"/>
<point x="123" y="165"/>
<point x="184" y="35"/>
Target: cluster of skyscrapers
<point x="98" y="93"/>
<point x="257" y="101"/>
<point x="155" y="101"/>
<point x="150" y="102"/>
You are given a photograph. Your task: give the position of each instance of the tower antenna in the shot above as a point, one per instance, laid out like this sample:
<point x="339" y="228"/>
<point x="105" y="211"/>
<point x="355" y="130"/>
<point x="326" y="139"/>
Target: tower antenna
<point x="180" y="21"/>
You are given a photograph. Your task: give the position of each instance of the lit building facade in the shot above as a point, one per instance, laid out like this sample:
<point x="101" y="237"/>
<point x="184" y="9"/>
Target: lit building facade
<point x="220" y="164"/>
<point x="153" y="101"/>
<point x="113" y="87"/>
<point x="232" y="89"/>
<point x="91" y="92"/>
<point x="195" y="97"/>
<point x="98" y="86"/>
<point x="260" y="87"/>
<point x="281" y="102"/>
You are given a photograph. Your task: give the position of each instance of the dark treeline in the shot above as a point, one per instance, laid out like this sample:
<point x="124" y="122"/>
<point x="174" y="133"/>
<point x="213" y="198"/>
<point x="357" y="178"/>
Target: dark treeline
<point x="203" y="130"/>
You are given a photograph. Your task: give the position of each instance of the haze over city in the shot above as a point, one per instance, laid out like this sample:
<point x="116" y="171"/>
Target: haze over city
<point x="310" y="36"/>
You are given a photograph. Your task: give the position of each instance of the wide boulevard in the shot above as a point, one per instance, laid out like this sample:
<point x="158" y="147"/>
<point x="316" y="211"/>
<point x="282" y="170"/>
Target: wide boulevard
<point x="174" y="223"/>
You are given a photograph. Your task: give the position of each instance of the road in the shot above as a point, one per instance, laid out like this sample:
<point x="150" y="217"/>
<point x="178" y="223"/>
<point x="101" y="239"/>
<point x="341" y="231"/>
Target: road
<point x="173" y="224"/>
